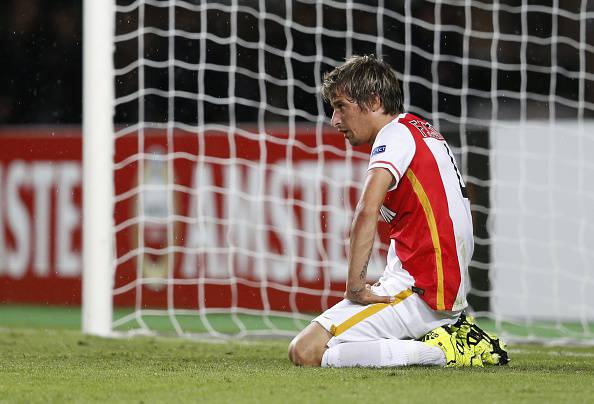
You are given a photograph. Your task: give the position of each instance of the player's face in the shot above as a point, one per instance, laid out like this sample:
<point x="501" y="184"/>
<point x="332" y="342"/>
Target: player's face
<point x="354" y="123"/>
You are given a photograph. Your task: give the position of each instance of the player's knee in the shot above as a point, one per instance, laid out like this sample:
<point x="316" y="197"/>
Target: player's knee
<point x="302" y="353"/>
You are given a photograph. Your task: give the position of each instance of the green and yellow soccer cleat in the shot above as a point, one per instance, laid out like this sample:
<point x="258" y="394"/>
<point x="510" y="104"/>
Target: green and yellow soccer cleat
<point x="491" y="348"/>
<point x="457" y="352"/>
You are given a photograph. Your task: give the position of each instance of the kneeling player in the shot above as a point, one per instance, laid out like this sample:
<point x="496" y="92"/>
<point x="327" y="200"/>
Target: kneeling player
<point x="414" y="184"/>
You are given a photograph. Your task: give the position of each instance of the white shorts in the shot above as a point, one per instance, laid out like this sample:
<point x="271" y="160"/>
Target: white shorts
<point x="408" y="317"/>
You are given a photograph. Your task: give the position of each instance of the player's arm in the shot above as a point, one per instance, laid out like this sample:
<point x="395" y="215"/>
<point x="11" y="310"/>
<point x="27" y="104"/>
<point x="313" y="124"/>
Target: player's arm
<point x="363" y="231"/>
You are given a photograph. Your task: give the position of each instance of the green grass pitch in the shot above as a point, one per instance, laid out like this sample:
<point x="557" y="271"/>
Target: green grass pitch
<point x="44" y="358"/>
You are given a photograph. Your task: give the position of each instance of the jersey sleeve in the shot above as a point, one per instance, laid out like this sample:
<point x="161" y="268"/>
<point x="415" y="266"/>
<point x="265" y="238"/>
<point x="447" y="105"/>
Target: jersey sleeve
<point x="393" y="149"/>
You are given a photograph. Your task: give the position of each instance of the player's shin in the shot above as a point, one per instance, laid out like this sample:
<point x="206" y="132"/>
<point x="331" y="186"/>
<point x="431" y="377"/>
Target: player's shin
<point x="382" y="353"/>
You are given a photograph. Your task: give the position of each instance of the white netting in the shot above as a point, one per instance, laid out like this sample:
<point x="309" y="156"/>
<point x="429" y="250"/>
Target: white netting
<point x="234" y="197"/>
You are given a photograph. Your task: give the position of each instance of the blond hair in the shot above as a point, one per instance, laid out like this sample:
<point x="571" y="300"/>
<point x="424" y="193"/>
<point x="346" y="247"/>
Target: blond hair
<point x="361" y="79"/>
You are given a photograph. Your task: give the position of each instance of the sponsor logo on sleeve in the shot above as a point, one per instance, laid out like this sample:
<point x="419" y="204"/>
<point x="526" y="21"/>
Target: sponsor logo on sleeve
<point x="378" y="150"/>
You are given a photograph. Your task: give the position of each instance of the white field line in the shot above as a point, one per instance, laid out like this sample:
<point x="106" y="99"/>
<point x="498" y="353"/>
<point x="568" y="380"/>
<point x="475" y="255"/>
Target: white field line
<point x="553" y="353"/>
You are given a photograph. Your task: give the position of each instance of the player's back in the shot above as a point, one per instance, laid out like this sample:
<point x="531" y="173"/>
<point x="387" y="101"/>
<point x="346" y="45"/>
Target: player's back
<point x="428" y="210"/>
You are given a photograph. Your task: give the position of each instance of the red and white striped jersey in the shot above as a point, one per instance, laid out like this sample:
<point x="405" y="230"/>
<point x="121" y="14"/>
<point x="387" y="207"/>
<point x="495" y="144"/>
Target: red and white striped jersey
<point x="428" y="212"/>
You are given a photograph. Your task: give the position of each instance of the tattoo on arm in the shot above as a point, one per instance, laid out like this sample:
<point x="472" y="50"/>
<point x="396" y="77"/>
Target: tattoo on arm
<point x="363" y="273"/>
<point x="356" y="291"/>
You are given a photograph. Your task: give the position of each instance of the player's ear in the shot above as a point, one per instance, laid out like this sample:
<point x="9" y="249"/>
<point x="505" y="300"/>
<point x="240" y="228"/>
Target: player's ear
<point x="376" y="104"/>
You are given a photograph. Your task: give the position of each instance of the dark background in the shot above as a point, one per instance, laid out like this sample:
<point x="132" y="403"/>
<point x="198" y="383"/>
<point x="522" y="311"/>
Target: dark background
<point x="41" y="59"/>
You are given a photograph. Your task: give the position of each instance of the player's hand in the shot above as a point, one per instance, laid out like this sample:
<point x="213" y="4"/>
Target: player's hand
<point x="365" y="296"/>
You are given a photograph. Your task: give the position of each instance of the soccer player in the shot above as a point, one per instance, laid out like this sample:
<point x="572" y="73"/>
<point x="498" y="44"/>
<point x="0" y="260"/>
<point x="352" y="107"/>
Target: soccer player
<point x="414" y="184"/>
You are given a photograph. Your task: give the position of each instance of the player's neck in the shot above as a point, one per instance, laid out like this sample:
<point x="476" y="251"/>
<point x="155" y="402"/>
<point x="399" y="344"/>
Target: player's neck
<point x="380" y="121"/>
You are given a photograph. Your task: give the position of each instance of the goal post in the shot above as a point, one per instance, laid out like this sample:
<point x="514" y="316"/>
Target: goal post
<point x="221" y="202"/>
<point x="98" y="97"/>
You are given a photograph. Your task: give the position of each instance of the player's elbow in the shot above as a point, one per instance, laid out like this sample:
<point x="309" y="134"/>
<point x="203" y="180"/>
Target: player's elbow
<point x="366" y="211"/>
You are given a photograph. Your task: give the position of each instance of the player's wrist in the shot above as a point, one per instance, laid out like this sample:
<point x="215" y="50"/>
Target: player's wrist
<point x="354" y="289"/>
<point x="355" y="285"/>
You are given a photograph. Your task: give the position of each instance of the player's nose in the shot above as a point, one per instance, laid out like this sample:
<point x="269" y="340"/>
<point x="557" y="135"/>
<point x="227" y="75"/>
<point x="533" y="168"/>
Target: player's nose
<point x="335" y="119"/>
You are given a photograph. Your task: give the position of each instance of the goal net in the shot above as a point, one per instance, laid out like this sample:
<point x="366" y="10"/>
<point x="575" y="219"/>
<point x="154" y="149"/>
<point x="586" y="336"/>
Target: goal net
<point x="234" y="196"/>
